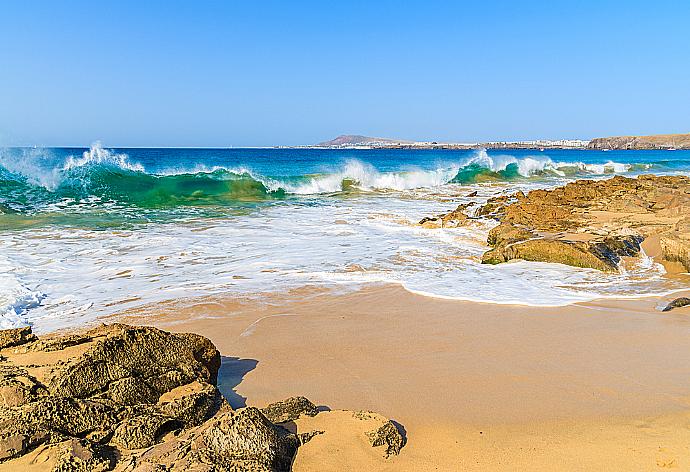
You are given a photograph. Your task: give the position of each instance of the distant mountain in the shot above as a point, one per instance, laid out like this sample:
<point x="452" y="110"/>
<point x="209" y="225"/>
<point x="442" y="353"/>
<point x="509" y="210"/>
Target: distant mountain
<point x="659" y="141"/>
<point x="358" y="140"/>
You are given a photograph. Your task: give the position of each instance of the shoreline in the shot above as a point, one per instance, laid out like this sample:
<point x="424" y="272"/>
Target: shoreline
<point x="543" y="384"/>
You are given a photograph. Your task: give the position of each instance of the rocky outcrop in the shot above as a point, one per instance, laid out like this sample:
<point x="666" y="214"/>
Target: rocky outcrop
<point x="136" y="399"/>
<point x="659" y="141"/>
<point x="15" y="337"/>
<point x="586" y="223"/>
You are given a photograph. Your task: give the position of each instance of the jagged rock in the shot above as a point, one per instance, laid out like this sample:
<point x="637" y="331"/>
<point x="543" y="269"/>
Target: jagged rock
<point x="506" y="234"/>
<point x="515" y="242"/>
<point x="388" y="436"/>
<point x="289" y="410"/>
<point x="246" y="440"/>
<point x="677" y="303"/>
<point x="17" y="387"/>
<point x="50" y="420"/>
<point x="545" y="250"/>
<point x="16" y="337"/>
<point x="61" y="343"/>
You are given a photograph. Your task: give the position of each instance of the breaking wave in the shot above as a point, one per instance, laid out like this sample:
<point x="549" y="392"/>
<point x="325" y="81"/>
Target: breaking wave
<point x="26" y="183"/>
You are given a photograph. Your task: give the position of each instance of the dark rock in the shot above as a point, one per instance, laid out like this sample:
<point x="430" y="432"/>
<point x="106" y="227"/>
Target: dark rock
<point x="677" y="303"/>
<point x="388" y="436"/>
<point x="289" y="410"/>
<point x="16" y="337"/>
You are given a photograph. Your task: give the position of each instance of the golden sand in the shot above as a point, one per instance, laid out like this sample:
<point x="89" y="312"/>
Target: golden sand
<point x="597" y="386"/>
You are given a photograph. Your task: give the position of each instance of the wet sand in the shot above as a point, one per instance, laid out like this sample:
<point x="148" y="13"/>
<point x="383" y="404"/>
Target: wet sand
<point x="598" y="386"/>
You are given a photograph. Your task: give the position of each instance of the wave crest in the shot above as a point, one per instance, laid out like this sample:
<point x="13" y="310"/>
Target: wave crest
<point x="31" y="179"/>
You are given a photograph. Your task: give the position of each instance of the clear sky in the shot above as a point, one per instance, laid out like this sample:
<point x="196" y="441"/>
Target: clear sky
<point x="255" y="73"/>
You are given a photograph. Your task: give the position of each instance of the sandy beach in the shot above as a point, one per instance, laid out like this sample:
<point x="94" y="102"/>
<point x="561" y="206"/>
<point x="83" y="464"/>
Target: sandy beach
<point x="603" y="385"/>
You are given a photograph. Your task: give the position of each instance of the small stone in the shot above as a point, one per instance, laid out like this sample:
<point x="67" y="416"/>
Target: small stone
<point x="677" y="303"/>
<point x="289" y="410"/>
<point x="389" y="436"/>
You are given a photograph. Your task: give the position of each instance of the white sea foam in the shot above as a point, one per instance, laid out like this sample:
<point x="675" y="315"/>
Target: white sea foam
<point x="97" y="155"/>
<point x="365" y="176"/>
<point x="338" y="243"/>
<point x="15" y="298"/>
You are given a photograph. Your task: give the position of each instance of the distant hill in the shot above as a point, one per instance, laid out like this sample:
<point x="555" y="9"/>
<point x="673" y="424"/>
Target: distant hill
<point x="358" y="140"/>
<point x="659" y="141"/>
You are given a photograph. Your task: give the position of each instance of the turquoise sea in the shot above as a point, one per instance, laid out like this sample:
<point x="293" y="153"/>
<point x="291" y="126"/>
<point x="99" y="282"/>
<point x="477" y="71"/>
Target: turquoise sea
<point x="85" y="232"/>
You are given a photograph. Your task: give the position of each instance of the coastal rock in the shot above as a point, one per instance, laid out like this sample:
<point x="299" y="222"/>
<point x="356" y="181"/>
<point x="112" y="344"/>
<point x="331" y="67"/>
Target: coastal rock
<point x="142" y="430"/>
<point x="388" y="436"/>
<point x="675" y="247"/>
<point x="677" y="303"/>
<point x="16" y="337"/>
<point x="231" y="441"/>
<point x="114" y="384"/>
<point x="588" y="223"/>
<point x="131" y="365"/>
<point x="132" y="398"/>
<point x="289" y="410"/>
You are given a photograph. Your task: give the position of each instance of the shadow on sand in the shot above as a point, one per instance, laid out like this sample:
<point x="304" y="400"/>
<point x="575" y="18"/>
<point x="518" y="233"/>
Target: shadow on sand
<point x="232" y="371"/>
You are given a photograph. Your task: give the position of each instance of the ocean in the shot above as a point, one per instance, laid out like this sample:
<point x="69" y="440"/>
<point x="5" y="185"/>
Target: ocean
<point x="88" y="232"/>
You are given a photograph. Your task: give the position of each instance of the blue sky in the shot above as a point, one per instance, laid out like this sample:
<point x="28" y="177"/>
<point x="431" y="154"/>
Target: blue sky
<point x="256" y="73"/>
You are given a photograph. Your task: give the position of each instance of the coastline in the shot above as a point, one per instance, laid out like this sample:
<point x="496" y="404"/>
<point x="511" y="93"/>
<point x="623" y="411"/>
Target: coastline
<point x="580" y="386"/>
